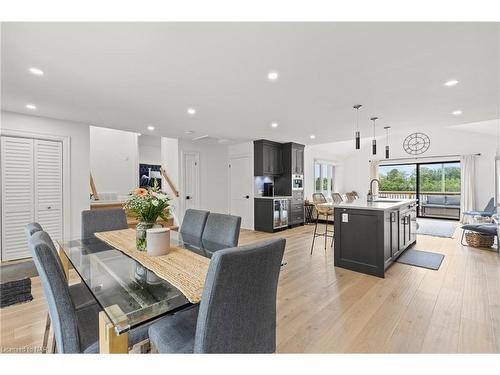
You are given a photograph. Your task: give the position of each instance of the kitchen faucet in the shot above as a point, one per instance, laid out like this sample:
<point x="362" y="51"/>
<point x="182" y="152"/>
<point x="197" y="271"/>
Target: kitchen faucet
<point x="370" y="195"/>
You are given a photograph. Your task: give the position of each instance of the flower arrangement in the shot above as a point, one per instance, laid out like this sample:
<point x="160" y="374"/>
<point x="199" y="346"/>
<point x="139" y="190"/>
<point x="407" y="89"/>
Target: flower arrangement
<point x="147" y="205"/>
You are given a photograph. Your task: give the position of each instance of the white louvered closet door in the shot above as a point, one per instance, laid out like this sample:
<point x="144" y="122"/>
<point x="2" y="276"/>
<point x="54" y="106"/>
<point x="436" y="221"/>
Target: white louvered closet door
<point x="17" y="195"/>
<point x="48" y="187"/>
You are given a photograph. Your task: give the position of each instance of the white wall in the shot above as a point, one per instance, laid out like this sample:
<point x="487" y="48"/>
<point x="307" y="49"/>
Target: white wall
<point x="149" y="149"/>
<point x="114" y="160"/>
<point x="443" y="142"/>
<point x="213" y="173"/>
<point x="79" y="163"/>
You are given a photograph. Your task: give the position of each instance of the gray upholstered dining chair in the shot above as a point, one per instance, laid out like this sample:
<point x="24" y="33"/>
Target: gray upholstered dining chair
<point x="31" y="228"/>
<point x="76" y="331"/>
<point x="102" y="220"/>
<point x="222" y="229"/>
<point x="237" y="313"/>
<point x="193" y="223"/>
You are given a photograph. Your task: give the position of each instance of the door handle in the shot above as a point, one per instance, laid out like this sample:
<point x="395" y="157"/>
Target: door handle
<point x="247" y="196"/>
<point x="188" y="197"/>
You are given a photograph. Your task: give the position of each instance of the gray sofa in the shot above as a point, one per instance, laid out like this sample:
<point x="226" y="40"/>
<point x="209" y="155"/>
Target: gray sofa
<point x="441" y="206"/>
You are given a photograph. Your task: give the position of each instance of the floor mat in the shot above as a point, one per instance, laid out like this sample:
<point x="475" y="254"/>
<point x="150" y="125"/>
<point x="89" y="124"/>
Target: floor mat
<point x="436" y="228"/>
<point x="422" y="259"/>
<point x="17" y="271"/>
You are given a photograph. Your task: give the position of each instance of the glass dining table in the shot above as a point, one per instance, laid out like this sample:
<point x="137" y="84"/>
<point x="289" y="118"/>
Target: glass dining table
<point x="129" y="294"/>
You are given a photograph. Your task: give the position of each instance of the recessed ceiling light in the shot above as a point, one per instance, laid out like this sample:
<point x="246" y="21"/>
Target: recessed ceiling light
<point x="274" y="125"/>
<point x="312" y="136"/>
<point x="151" y="128"/>
<point x="139" y="134"/>
<point x="457" y="112"/>
<point x="272" y="76"/>
<point x="191" y="111"/>
<point x="30" y="106"/>
<point x="189" y="132"/>
<point x="451" y="82"/>
<point x="36" y="71"/>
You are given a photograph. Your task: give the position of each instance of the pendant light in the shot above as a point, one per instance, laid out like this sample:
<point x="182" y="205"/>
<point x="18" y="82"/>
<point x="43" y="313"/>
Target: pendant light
<point x="374" y="142"/>
<point x="387" y="141"/>
<point x="357" y="107"/>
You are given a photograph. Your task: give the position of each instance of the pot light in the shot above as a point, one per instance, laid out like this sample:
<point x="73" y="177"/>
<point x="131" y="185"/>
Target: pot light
<point x="451" y="82"/>
<point x="139" y="134"/>
<point x="272" y="76"/>
<point x="151" y="128"/>
<point x="457" y="112"/>
<point x="191" y="111"/>
<point x="312" y="136"/>
<point x="30" y="106"/>
<point x="36" y="71"/>
<point x="274" y="125"/>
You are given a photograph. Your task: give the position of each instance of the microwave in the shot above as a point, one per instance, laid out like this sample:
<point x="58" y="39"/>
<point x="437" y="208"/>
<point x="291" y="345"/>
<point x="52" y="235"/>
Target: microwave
<point x="297" y="182"/>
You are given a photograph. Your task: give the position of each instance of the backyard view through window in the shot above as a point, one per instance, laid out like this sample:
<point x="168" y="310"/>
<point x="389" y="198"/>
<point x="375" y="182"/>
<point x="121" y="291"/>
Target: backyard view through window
<point x="436" y="186"/>
<point x="323" y="178"/>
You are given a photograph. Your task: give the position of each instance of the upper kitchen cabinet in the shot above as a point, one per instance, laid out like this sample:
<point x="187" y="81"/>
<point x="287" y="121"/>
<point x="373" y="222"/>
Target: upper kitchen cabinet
<point x="268" y="158"/>
<point x="293" y="156"/>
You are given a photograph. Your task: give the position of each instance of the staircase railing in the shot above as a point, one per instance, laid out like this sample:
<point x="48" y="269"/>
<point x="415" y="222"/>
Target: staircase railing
<point x="169" y="182"/>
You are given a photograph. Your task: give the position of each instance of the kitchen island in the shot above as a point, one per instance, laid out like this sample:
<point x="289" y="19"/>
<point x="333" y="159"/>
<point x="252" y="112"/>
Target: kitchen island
<point x="370" y="236"/>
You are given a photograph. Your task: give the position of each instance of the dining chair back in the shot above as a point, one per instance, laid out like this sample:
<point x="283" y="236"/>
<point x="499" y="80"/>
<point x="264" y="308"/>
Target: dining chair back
<point x="102" y="220"/>
<point x="222" y="229"/>
<point x="193" y="223"/>
<point x="237" y="313"/>
<point x="55" y="286"/>
<point x="31" y="228"/>
<point x="337" y="198"/>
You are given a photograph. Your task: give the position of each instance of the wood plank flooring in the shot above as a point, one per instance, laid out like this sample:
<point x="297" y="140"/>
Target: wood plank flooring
<point x="323" y="309"/>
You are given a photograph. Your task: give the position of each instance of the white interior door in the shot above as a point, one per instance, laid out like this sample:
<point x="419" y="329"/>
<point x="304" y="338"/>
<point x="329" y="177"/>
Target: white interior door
<point x="191" y="177"/>
<point x="48" y="187"/>
<point x="17" y="195"/>
<point x="240" y="189"/>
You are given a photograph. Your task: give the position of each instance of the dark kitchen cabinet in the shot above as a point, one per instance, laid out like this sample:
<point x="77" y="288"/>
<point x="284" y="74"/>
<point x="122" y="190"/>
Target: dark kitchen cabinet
<point x="369" y="241"/>
<point x="293" y="158"/>
<point x="268" y="158"/>
<point x="297" y="159"/>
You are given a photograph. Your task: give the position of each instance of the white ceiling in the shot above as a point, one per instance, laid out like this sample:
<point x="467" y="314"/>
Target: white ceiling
<point x="130" y="75"/>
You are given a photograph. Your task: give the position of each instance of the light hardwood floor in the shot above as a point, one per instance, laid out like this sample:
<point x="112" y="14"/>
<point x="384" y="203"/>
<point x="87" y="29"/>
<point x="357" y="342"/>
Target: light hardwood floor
<point x="323" y="309"/>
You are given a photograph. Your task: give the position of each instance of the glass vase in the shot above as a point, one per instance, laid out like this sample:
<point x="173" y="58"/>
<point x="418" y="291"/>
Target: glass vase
<point x="140" y="234"/>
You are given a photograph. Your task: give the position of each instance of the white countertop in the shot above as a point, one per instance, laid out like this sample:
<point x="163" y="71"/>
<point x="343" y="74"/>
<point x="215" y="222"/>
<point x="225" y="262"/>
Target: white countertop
<point x="380" y="204"/>
<point x="274" y="197"/>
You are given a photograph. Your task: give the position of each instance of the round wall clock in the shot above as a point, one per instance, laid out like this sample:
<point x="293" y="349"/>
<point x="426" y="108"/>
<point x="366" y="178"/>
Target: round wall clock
<point x="416" y="143"/>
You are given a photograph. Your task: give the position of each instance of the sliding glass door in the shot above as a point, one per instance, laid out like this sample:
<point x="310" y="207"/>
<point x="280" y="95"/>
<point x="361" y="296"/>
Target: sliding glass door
<point x="439" y="190"/>
<point x="436" y="186"/>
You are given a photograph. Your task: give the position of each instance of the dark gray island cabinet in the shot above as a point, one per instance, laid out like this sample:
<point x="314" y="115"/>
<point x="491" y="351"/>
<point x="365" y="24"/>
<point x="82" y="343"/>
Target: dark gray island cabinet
<point x="370" y="236"/>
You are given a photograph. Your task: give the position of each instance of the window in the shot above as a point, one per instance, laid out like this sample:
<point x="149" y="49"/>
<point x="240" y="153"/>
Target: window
<point x="323" y="178"/>
<point x="436" y="186"/>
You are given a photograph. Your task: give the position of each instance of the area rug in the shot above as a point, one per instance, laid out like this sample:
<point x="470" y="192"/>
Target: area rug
<point x="17" y="271"/>
<point x="436" y="228"/>
<point x="422" y="259"/>
<point x="14" y="292"/>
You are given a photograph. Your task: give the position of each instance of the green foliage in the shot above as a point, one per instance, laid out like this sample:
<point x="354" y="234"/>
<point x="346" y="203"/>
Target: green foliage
<point x="445" y="179"/>
<point x="148" y="204"/>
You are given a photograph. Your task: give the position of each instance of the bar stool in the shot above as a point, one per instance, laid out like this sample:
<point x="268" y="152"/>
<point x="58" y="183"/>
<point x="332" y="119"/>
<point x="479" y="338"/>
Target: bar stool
<point x="319" y="201"/>
<point x="337" y="198"/>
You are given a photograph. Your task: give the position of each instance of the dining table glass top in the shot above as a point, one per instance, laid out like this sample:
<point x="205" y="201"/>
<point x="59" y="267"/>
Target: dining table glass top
<point x="129" y="293"/>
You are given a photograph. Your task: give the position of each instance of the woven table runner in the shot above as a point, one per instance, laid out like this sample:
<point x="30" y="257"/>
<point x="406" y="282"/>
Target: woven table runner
<point x="180" y="267"/>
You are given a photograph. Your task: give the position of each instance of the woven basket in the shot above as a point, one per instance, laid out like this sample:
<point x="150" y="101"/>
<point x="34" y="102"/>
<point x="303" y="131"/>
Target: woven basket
<point x="475" y="239"/>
